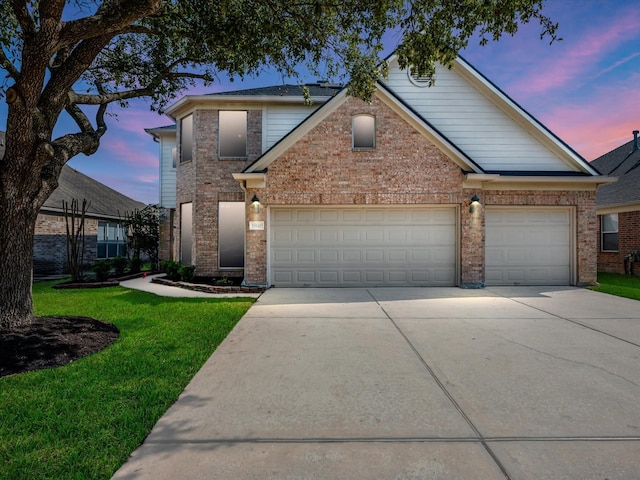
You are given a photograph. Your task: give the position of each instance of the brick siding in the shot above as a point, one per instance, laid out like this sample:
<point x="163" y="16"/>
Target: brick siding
<point x="50" y="244"/>
<point x="628" y="241"/>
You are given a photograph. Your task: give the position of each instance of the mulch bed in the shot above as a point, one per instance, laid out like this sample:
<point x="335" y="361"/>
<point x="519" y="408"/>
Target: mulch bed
<point x="52" y="342"/>
<point x="199" y="287"/>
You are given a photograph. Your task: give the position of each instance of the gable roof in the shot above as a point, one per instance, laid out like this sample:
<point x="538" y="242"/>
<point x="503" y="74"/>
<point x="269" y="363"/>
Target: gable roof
<point x="387" y="97"/>
<point x="105" y="201"/>
<point x="622" y="162"/>
<point x="576" y="166"/>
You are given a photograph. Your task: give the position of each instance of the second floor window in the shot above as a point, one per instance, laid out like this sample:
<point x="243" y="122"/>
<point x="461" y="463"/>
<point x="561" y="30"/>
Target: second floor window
<point x="186" y="139"/>
<point x="364" y="132"/>
<point x="232" y="137"/>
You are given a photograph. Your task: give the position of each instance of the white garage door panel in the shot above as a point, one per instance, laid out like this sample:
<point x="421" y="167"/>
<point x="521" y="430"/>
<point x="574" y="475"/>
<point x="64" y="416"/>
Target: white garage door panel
<point x="528" y="246"/>
<point x="363" y="246"/>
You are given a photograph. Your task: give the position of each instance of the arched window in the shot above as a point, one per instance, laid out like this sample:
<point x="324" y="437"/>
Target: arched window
<point x="364" y="132"/>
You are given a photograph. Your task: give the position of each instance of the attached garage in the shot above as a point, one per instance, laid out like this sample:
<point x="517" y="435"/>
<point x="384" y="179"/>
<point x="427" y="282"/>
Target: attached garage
<point x="362" y="246"/>
<point x="529" y="246"/>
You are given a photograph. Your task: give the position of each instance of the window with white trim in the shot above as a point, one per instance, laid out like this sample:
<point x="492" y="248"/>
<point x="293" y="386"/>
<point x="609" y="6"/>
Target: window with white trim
<point x="364" y="132"/>
<point x="609" y="232"/>
<point x="232" y="136"/>
<point x="112" y="242"/>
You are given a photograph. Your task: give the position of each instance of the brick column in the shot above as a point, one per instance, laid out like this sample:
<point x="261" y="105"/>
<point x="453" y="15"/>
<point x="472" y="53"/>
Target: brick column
<point x="472" y="235"/>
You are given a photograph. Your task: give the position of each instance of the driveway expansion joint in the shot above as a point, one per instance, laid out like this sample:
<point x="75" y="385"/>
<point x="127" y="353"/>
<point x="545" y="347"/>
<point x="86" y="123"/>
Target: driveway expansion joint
<point x="442" y="387"/>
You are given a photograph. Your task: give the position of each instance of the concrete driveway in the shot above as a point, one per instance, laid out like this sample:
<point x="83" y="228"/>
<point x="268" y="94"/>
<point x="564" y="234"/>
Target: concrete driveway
<point x="412" y="383"/>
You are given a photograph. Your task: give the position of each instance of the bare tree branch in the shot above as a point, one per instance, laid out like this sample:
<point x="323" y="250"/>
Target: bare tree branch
<point x="8" y="65"/>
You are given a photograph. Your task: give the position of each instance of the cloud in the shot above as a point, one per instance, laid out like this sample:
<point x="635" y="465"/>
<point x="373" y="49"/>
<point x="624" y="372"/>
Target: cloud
<point x="596" y="124"/>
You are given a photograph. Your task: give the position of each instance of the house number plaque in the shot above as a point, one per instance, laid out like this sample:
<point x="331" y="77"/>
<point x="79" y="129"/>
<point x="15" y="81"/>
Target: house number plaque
<point x="256" y="225"/>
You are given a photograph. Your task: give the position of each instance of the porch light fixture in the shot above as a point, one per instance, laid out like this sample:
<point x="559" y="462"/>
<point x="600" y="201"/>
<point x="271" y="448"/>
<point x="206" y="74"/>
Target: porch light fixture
<point x="255" y="203"/>
<point x="475" y="201"/>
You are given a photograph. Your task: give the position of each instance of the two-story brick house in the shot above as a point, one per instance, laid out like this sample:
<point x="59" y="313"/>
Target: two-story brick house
<point x="447" y="185"/>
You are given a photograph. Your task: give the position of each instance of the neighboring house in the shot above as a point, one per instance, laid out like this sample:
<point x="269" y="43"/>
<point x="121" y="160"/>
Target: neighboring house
<point x="104" y="237"/>
<point x="450" y="185"/>
<point x="618" y="208"/>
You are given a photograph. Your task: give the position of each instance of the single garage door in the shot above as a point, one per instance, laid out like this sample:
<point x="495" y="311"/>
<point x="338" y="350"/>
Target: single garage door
<point x="528" y="246"/>
<point x="333" y="247"/>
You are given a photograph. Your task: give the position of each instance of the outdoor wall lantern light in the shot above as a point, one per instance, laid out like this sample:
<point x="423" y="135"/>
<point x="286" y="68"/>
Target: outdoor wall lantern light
<point x="475" y="201"/>
<point x="255" y="203"/>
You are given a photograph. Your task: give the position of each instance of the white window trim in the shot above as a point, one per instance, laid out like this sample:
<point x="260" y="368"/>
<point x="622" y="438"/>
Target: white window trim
<point x="603" y="232"/>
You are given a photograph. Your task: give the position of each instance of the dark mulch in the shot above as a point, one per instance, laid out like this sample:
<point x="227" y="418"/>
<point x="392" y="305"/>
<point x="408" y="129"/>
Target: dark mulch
<point x="52" y="342"/>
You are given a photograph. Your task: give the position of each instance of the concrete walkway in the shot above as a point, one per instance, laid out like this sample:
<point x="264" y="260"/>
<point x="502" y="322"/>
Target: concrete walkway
<point x="144" y="284"/>
<point x="411" y="383"/>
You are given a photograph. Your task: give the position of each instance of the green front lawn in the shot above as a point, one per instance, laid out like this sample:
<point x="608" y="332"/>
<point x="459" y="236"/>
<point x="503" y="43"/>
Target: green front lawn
<point x="82" y="421"/>
<point x="620" y="285"/>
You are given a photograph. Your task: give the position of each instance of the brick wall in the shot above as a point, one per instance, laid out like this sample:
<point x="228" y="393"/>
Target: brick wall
<point x="50" y="244"/>
<point x="166" y="234"/>
<point x="207" y="180"/>
<point x="628" y="241"/>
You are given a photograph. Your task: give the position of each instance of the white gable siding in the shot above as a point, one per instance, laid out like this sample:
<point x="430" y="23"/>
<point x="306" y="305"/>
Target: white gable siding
<point x="474" y="123"/>
<point x="279" y="120"/>
<point x="167" y="172"/>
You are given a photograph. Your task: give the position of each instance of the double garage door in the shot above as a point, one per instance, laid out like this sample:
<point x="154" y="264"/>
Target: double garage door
<point x="332" y="247"/>
<point x="386" y="246"/>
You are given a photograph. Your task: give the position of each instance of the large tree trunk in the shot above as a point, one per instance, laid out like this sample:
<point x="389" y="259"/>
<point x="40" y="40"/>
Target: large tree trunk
<point x="17" y="227"/>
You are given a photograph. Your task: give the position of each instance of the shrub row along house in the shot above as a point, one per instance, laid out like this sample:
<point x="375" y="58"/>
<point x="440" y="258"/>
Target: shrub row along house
<point x="449" y="185"/>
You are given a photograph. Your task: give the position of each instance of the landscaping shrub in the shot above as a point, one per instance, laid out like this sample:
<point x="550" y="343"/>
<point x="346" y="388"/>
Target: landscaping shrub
<point x="119" y="265"/>
<point x="135" y="266"/>
<point x="101" y="268"/>
<point x="171" y="268"/>
<point x="187" y="273"/>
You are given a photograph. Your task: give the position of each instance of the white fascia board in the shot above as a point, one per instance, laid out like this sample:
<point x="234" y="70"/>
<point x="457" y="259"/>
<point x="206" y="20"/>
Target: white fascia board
<point x="444" y="145"/>
<point x="299" y="132"/>
<point x="181" y="105"/>
<point x="618" y="208"/>
<point x="534" y="182"/>
<point x="250" y="180"/>
<point x="523" y="118"/>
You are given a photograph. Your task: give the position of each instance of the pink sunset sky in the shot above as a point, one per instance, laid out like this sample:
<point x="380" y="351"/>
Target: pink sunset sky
<point x="585" y="89"/>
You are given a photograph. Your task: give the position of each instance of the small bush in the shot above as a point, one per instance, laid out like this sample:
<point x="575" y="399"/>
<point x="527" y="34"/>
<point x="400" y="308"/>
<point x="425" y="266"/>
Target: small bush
<point x="101" y="268"/>
<point x="187" y="273"/>
<point x="171" y="268"/>
<point x="119" y="265"/>
<point x="135" y="266"/>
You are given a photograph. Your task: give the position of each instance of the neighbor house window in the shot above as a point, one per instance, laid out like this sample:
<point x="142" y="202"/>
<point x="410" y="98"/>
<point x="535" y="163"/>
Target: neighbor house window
<point x="112" y="241"/>
<point x="364" y="132"/>
<point x="232" y="138"/>
<point x="186" y="232"/>
<point x="609" y="229"/>
<point x="186" y="139"/>
<point x="231" y="221"/>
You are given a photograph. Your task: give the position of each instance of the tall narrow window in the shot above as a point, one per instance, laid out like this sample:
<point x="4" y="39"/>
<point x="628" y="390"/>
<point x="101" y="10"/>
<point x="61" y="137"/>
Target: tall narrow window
<point x="364" y="132"/>
<point x="232" y="134"/>
<point x="609" y="230"/>
<point x="231" y="220"/>
<point x="186" y="139"/>
<point x="186" y="232"/>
